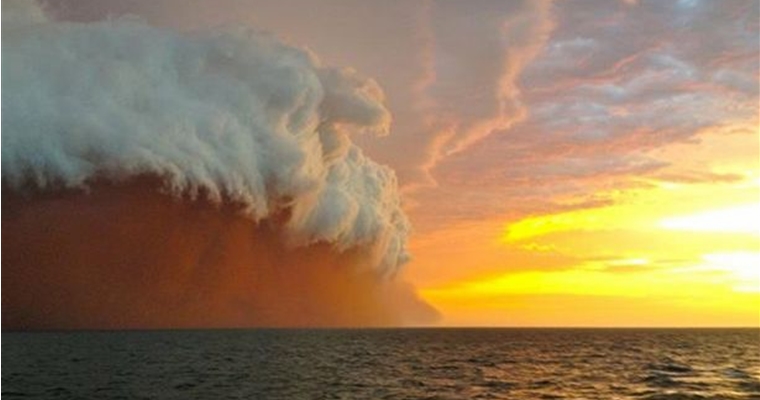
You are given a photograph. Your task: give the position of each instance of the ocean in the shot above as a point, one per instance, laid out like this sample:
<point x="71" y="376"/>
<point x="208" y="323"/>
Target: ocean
<point x="654" y="364"/>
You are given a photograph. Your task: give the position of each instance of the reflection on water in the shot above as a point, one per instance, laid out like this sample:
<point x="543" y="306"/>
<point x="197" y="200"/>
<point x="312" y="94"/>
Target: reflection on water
<point x="384" y="364"/>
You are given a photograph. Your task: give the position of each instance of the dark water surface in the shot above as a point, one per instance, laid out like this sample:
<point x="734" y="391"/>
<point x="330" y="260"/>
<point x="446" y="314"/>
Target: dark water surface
<point x="384" y="364"/>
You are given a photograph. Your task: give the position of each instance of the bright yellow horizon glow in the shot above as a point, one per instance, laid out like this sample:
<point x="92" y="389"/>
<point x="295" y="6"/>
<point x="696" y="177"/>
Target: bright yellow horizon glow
<point x="743" y="218"/>
<point x="739" y="269"/>
<point x="664" y="253"/>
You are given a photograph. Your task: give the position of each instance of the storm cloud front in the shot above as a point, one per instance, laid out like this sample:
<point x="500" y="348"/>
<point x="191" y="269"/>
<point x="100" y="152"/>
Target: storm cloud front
<point x="158" y="179"/>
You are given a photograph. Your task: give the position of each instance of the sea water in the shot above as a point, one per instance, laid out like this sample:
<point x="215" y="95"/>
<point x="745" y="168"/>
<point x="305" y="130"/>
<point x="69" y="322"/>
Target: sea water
<point x="384" y="364"/>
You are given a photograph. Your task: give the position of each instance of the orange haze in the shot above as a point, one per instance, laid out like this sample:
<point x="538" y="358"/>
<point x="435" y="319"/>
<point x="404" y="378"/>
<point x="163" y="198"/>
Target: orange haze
<point x="128" y="256"/>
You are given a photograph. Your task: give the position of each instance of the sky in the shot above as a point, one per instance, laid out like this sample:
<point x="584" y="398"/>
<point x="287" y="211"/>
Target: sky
<point x="566" y="163"/>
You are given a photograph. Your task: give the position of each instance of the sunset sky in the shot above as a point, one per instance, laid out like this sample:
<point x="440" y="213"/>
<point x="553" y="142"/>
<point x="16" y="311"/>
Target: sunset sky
<point x="566" y="163"/>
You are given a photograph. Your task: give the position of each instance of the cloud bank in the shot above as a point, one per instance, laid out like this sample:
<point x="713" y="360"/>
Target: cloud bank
<point x="232" y="119"/>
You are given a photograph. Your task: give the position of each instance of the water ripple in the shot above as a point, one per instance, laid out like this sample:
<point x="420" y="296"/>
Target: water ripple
<point x="384" y="364"/>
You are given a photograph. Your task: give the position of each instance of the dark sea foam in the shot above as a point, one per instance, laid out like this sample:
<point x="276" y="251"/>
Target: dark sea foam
<point x="384" y="364"/>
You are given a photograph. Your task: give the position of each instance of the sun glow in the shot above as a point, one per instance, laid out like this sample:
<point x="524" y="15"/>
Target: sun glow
<point x="742" y="269"/>
<point x="739" y="219"/>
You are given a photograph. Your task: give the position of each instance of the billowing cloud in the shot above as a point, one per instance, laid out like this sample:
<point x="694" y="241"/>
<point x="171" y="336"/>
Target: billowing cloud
<point x="234" y="115"/>
<point x="232" y="118"/>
